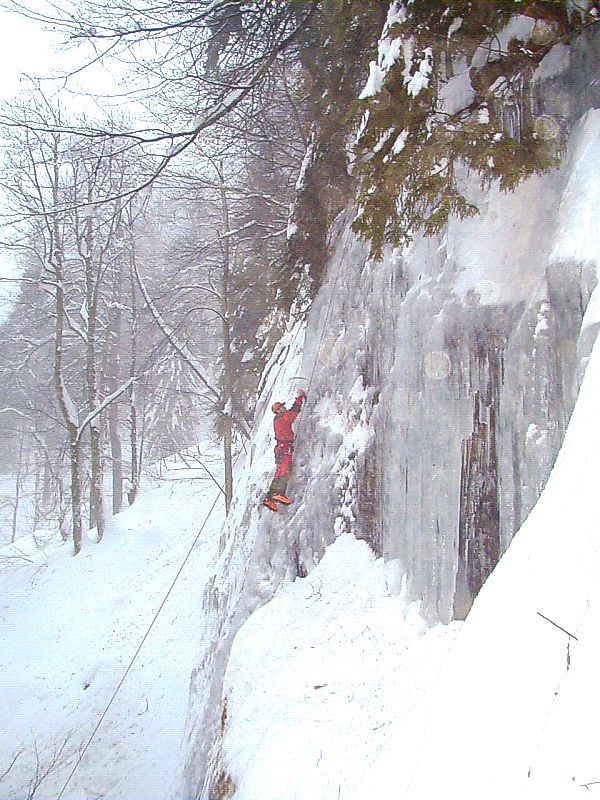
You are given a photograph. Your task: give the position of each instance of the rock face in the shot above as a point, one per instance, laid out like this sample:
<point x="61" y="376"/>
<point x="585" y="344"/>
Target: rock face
<point x="441" y="380"/>
<point x="441" y="390"/>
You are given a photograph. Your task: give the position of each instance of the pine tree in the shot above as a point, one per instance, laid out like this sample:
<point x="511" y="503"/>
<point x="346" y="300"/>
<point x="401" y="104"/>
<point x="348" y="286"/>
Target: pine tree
<point x="449" y="95"/>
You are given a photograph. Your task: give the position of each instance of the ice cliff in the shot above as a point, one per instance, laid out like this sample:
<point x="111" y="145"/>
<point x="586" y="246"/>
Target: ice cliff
<point x="441" y="381"/>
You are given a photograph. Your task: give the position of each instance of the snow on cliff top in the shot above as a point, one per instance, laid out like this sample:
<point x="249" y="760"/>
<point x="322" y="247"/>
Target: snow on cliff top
<point x="504" y="251"/>
<point x="578" y="235"/>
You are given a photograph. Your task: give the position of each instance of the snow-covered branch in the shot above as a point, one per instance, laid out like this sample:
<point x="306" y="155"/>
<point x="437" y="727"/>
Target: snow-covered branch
<point x="103" y="405"/>
<point x="74" y="327"/>
<point x="16" y="411"/>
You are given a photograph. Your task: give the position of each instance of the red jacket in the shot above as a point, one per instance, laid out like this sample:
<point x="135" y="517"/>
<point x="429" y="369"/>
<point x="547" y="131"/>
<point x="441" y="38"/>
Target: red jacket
<point x="282" y="423"/>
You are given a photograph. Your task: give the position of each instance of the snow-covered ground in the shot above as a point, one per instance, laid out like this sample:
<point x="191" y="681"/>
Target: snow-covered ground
<point x="69" y="629"/>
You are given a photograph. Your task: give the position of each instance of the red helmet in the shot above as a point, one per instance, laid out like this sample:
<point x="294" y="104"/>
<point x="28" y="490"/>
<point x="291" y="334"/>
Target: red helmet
<point x="277" y="407"/>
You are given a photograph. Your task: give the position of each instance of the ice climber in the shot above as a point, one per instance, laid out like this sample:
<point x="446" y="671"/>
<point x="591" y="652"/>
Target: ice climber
<point x="284" y="450"/>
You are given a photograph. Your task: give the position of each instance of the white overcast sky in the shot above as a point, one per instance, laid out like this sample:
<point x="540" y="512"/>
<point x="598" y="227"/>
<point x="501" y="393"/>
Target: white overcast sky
<point x="26" y="48"/>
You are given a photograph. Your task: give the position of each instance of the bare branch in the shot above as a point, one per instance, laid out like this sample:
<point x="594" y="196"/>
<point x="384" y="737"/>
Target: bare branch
<point x="16" y="757"/>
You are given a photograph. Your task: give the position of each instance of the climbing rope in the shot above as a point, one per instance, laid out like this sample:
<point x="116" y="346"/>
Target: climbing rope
<point x="137" y="652"/>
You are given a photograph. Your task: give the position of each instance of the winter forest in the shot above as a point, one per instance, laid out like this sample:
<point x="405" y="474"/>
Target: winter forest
<point x="387" y="214"/>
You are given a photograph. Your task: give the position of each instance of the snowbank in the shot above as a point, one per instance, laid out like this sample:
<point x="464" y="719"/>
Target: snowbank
<point x="316" y="676"/>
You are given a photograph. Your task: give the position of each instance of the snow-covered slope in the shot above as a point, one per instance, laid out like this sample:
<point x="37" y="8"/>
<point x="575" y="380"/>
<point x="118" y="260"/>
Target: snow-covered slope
<point x="317" y="676"/>
<point x="70" y="627"/>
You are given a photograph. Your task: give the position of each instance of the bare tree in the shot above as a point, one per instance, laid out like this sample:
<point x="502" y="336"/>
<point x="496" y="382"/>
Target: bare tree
<point x="55" y="183"/>
<point x="78" y="208"/>
<point x="208" y="65"/>
<point x="98" y="170"/>
<point x="44" y="764"/>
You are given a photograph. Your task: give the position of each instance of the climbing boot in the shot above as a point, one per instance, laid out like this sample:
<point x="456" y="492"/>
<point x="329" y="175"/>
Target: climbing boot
<point x="270" y="504"/>
<point x="281" y="498"/>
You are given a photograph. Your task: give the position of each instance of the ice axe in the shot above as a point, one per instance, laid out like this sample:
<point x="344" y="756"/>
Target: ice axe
<point x="298" y="378"/>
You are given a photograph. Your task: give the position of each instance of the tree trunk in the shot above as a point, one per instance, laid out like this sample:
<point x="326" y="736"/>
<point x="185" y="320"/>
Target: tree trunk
<point x="66" y="405"/>
<point x="77" y="523"/>
<point x="37" y="492"/>
<point x="63" y="508"/>
<point x="116" y="453"/>
<point x="47" y="482"/>
<point x="113" y="370"/>
<point x="227" y="398"/>
<point x="136" y="456"/>
<point x="97" y="516"/>
<point x="18" y="487"/>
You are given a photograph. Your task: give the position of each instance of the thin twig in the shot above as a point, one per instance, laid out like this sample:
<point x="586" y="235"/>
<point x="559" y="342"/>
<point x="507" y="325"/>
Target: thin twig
<point x="560" y="628"/>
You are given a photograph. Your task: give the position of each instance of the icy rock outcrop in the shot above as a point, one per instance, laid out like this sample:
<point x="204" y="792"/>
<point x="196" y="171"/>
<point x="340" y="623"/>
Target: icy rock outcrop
<point x="465" y="352"/>
<point x="441" y="382"/>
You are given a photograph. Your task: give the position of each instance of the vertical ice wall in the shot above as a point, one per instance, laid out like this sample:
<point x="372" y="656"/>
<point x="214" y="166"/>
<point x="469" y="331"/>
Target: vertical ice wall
<point x="441" y="380"/>
<point x="443" y="377"/>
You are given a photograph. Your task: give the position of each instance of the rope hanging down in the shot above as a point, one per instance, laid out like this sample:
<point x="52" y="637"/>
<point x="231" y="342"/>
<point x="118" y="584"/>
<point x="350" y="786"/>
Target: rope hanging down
<point x="137" y="652"/>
